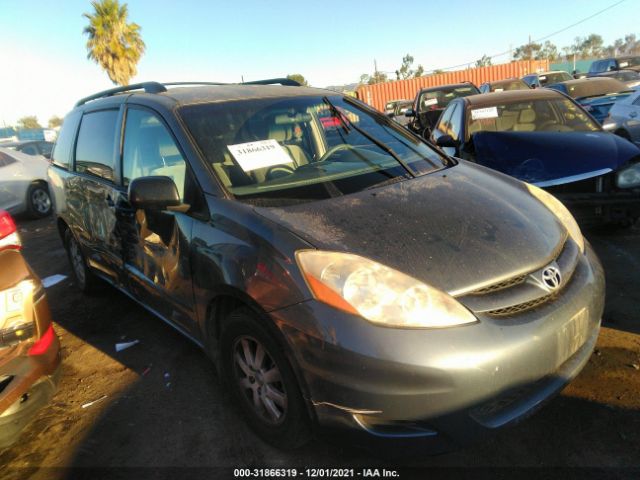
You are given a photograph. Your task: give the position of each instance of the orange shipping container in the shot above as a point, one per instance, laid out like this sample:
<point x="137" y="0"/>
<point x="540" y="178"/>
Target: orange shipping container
<point x="378" y="95"/>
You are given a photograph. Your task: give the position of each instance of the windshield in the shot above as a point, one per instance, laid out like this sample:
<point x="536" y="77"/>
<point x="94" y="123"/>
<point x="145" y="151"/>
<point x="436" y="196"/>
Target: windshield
<point x="278" y="151"/>
<point x="554" y="77"/>
<point x="629" y="62"/>
<point x="439" y="99"/>
<point x="544" y="115"/>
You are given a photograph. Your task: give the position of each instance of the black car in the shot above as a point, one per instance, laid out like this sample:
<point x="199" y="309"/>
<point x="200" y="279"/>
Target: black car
<point x="339" y="270"/>
<point x="595" y="94"/>
<point x="615" y="63"/>
<point x="545" y="138"/>
<point x="31" y="147"/>
<point x="430" y="102"/>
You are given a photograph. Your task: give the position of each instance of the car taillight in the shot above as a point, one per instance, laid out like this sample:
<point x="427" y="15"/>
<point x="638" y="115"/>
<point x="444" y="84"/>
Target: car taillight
<point x="43" y="344"/>
<point x="9" y="238"/>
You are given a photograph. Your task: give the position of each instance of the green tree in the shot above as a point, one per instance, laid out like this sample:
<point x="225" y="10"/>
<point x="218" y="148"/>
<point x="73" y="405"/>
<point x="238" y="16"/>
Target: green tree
<point x="55" y="121"/>
<point x="405" y="70"/>
<point x="483" y="62"/>
<point x="548" y="52"/>
<point x="30" y="121"/>
<point x="114" y="43"/>
<point x="419" y="71"/>
<point x="528" y="51"/>
<point x="298" y="78"/>
<point x="377" y="77"/>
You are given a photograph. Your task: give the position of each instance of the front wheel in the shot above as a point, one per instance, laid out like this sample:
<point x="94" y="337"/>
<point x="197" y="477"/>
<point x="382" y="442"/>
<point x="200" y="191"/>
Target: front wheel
<point x="261" y="379"/>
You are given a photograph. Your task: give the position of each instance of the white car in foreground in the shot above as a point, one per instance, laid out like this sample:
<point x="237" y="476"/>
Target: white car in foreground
<point x="23" y="183"/>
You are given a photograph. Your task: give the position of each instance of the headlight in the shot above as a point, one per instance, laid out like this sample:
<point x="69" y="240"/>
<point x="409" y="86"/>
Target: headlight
<point x="629" y="177"/>
<point x="378" y="293"/>
<point x="561" y="212"/>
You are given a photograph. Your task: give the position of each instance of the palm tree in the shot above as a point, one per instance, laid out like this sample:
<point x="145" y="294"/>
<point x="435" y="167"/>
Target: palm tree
<point x="113" y="43"/>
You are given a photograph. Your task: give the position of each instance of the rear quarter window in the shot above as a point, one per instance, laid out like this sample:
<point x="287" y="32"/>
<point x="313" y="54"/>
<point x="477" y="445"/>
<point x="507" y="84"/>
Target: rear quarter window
<point x="64" y="144"/>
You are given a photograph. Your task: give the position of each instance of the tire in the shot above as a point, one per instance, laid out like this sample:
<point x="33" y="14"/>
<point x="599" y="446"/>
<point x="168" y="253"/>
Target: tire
<point x="82" y="275"/>
<point x="266" y="391"/>
<point x="39" y="200"/>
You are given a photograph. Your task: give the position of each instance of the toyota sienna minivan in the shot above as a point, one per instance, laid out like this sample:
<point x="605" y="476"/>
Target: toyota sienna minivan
<point x="340" y="271"/>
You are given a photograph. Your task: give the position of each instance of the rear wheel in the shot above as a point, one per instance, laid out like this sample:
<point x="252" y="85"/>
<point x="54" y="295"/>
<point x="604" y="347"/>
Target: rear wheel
<point x="83" y="277"/>
<point x="261" y="379"/>
<point x="38" y="200"/>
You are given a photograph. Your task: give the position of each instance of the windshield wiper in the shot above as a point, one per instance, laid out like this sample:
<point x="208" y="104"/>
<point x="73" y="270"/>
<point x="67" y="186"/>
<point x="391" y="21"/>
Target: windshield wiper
<point x="343" y="119"/>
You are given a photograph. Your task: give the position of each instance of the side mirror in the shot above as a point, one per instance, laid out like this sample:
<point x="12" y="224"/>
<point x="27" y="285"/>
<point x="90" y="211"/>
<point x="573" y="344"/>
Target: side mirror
<point x="447" y="141"/>
<point x="410" y="112"/>
<point x="153" y="193"/>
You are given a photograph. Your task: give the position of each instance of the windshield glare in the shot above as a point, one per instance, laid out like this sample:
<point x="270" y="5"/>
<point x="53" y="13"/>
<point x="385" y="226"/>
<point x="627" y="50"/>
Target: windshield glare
<point x="277" y="151"/>
<point x="556" y="115"/>
<point x="439" y="99"/>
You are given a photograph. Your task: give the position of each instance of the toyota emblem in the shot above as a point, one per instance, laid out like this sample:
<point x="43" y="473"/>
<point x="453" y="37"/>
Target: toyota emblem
<point x="551" y="277"/>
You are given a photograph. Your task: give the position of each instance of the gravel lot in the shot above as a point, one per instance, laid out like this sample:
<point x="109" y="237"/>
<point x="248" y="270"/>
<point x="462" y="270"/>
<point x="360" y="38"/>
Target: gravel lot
<point x="145" y="419"/>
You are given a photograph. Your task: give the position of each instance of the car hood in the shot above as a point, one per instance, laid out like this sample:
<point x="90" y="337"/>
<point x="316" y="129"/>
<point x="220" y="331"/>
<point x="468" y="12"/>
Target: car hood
<point x="458" y="229"/>
<point x="552" y="158"/>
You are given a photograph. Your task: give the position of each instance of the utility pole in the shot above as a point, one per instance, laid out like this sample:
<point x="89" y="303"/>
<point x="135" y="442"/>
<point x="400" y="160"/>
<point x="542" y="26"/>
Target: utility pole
<point x="375" y="68"/>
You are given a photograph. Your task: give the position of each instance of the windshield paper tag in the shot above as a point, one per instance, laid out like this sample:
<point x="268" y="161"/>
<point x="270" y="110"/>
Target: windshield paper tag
<point x="429" y="102"/>
<point x="254" y="155"/>
<point x="480" y="113"/>
<point x="624" y="64"/>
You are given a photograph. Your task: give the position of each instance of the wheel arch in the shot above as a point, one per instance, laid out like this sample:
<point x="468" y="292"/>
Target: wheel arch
<point x="226" y="301"/>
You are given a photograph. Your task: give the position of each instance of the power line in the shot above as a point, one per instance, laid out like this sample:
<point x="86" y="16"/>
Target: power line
<point x="541" y="38"/>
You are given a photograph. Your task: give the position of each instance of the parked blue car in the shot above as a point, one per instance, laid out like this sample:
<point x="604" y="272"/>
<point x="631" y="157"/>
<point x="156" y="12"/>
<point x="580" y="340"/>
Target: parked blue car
<point x="543" y="137"/>
<point x="596" y="94"/>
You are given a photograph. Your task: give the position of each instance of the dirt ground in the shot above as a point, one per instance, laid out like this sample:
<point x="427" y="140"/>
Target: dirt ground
<point x="159" y="411"/>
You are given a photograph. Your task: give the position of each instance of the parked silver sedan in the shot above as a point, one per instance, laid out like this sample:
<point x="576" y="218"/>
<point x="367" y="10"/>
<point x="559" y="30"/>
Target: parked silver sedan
<point x="624" y="118"/>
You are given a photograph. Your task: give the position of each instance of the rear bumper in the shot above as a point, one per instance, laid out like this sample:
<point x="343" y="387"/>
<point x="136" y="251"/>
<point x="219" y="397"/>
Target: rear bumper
<point x="30" y="380"/>
<point x="442" y="388"/>
<point x="21" y="412"/>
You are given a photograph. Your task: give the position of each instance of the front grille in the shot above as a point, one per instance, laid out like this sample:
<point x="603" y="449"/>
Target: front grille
<point x="511" y="282"/>
<point x="525" y="291"/>
<point x="521" y="307"/>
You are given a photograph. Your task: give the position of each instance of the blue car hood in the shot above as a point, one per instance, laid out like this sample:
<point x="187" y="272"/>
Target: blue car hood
<point x="552" y="158"/>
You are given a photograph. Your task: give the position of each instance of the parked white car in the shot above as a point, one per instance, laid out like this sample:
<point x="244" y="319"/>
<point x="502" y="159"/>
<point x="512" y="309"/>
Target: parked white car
<point x="23" y="183"/>
<point x="624" y="118"/>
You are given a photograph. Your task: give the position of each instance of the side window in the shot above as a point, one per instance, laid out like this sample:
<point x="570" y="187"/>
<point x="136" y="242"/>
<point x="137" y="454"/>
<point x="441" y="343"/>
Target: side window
<point x="96" y="144"/>
<point x="64" y="144"/>
<point x="637" y="101"/>
<point x="149" y="149"/>
<point x="455" y="124"/>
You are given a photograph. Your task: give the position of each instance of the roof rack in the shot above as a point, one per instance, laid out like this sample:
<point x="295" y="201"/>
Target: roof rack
<point x="157" y="87"/>
<point x="287" y="82"/>
<point x="148" y="87"/>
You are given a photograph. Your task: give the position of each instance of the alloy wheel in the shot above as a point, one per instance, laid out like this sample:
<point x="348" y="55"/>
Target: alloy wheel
<point x="259" y="379"/>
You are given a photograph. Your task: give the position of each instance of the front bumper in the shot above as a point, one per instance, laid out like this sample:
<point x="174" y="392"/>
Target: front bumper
<point x="446" y="386"/>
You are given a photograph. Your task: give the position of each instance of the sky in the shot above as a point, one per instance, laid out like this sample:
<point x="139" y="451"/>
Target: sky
<point x="45" y="69"/>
